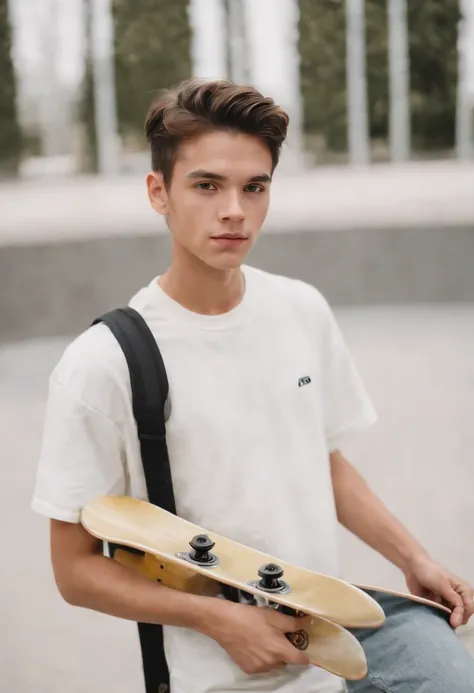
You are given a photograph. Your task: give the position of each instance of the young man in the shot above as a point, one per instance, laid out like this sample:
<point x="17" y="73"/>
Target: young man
<point x="263" y="392"/>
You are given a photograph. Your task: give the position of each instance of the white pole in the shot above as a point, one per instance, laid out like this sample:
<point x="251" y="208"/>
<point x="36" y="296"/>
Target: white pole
<point x="208" y="42"/>
<point x="357" y="111"/>
<point x="398" y="61"/>
<point x="104" y="87"/>
<point x="237" y="41"/>
<point x="275" y="65"/>
<point x="465" y="87"/>
<point x="50" y="103"/>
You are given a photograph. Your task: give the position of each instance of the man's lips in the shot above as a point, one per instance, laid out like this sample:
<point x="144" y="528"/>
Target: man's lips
<point x="229" y="237"/>
<point x="229" y="241"/>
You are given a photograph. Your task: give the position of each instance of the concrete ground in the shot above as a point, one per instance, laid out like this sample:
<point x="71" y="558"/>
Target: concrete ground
<point x="415" y="194"/>
<point x="419" y="368"/>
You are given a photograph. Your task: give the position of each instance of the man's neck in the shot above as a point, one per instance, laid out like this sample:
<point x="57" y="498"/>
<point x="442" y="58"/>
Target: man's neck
<point x="202" y="289"/>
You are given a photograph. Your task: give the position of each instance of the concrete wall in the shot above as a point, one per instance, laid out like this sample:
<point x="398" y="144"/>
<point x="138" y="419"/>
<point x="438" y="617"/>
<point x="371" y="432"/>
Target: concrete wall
<point x="58" y="287"/>
<point x="73" y="248"/>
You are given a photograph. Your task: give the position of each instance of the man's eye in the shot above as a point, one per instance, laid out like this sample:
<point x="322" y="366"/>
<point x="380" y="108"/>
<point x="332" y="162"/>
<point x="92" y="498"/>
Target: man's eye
<point x="206" y="186"/>
<point x="254" y="188"/>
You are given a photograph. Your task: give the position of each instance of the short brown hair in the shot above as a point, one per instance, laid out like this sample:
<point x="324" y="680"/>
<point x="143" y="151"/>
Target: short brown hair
<point x="194" y="106"/>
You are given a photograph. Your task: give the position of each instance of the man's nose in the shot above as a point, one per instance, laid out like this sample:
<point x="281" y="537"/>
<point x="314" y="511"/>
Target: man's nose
<point x="232" y="208"/>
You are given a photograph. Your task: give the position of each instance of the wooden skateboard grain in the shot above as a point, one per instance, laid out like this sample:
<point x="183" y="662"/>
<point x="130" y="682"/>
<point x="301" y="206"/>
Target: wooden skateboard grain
<point x="406" y="595"/>
<point x="330" y="646"/>
<point x="136" y="523"/>
<point x="129" y="522"/>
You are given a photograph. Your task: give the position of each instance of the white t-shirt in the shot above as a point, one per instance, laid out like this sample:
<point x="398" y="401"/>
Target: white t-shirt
<point x="259" y="396"/>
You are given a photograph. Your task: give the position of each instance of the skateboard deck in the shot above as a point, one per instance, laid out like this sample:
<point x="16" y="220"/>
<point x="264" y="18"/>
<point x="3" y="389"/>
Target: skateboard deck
<point x="327" y="644"/>
<point x="184" y="556"/>
<point x="406" y="595"/>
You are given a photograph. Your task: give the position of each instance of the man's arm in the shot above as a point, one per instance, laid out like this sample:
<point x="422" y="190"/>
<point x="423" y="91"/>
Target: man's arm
<point x="362" y="513"/>
<point x="87" y="579"/>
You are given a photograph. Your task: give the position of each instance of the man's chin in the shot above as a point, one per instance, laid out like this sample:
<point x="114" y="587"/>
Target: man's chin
<point x="225" y="263"/>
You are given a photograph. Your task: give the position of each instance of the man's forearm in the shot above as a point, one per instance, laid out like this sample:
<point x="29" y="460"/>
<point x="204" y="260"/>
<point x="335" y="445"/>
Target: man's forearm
<point x="103" y="585"/>
<point x="363" y="514"/>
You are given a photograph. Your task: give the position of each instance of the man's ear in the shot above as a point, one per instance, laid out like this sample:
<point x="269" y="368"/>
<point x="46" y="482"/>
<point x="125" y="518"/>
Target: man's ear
<point x="157" y="193"/>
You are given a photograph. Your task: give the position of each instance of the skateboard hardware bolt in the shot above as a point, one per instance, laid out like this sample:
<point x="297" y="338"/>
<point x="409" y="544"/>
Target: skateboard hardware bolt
<point x="270" y="579"/>
<point x="201" y="545"/>
<point x="270" y="575"/>
<point x="201" y="551"/>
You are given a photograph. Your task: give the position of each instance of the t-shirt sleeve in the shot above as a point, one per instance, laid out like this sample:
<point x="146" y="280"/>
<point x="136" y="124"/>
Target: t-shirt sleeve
<point x="81" y="456"/>
<point x="347" y="408"/>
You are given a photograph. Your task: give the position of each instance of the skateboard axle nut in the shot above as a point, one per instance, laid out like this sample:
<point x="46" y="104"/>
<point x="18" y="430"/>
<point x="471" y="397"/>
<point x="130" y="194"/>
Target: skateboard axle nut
<point x="202" y="545"/>
<point x="270" y="575"/>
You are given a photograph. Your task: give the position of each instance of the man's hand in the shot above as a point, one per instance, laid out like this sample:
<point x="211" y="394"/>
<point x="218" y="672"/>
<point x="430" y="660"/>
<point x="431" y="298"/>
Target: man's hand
<point x="254" y="637"/>
<point x="363" y="514"/>
<point x="428" y="579"/>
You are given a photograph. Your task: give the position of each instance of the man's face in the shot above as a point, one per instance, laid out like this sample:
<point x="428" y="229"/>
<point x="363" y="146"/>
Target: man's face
<point x="218" y="197"/>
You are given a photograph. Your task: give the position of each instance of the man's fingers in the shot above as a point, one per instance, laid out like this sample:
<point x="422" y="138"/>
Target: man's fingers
<point x="288" y="624"/>
<point x="467" y="595"/>
<point x="298" y="656"/>
<point x="292" y="655"/>
<point x="461" y="596"/>
<point x="456" y="601"/>
<point x="457" y="616"/>
<point x="280" y="665"/>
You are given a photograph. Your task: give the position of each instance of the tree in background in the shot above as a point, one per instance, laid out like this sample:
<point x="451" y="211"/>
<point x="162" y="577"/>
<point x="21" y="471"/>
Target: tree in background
<point x="322" y="58"/>
<point x="10" y="133"/>
<point x="152" y="43"/>
<point x="152" y="51"/>
<point x="89" y="161"/>
<point x="433" y="51"/>
<point x="432" y="30"/>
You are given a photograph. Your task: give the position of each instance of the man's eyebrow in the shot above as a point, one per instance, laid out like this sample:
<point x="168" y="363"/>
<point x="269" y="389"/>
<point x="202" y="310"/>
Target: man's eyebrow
<point x="209" y="175"/>
<point x="261" y="178"/>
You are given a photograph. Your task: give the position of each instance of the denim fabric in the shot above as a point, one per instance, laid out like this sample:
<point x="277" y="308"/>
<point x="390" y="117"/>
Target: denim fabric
<point x="415" y="651"/>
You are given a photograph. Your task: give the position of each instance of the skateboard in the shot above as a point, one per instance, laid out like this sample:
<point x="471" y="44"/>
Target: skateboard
<point x="183" y="556"/>
<point x="406" y="595"/>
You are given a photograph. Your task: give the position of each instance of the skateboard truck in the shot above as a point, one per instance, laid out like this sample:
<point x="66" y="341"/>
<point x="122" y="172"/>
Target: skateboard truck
<point x="270" y="579"/>
<point x="201" y="551"/>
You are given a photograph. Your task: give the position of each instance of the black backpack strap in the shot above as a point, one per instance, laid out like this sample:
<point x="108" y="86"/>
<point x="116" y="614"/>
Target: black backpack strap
<point x="150" y="391"/>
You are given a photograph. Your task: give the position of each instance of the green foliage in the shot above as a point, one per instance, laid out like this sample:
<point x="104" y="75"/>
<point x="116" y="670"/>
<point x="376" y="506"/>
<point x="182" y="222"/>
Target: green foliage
<point x="432" y="26"/>
<point x="152" y="40"/>
<point x="87" y="117"/>
<point x="10" y="133"/>
<point x="152" y="44"/>
<point x="376" y="38"/>
<point x="433" y="54"/>
<point x="322" y="59"/>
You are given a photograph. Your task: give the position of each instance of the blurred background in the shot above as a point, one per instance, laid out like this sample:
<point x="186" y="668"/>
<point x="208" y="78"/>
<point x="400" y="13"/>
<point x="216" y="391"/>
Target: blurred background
<point x="373" y="203"/>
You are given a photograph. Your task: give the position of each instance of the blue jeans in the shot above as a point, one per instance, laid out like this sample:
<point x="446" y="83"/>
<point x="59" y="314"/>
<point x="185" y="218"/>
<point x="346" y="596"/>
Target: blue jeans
<point x="415" y="651"/>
